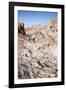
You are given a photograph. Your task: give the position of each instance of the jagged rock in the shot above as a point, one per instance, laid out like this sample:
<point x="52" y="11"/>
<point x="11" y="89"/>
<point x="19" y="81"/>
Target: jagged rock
<point x="37" y="51"/>
<point x="21" y="29"/>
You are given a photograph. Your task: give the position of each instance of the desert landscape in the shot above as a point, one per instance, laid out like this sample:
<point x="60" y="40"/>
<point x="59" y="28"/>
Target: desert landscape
<point x="38" y="50"/>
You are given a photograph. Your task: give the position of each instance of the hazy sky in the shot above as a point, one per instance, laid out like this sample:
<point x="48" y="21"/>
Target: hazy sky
<point x="35" y="17"/>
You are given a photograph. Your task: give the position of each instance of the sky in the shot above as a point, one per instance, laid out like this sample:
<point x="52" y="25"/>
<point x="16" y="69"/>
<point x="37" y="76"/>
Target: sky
<point x="35" y="17"/>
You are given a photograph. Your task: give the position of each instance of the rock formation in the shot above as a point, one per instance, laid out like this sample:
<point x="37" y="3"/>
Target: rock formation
<point x="21" y="28"/>
<point x="37" y="51"/>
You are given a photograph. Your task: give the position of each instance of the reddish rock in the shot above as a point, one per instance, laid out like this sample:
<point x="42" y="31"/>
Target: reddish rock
<point x="21" y="28"/>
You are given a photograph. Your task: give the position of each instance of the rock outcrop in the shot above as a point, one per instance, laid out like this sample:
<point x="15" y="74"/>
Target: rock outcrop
<point x="21" y="28"/>
<point x="37" y="51"/>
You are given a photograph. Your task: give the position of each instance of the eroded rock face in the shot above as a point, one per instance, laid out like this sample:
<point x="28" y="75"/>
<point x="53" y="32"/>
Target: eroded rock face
<point x="37" y="52"/>
<point x="21" y="28"/>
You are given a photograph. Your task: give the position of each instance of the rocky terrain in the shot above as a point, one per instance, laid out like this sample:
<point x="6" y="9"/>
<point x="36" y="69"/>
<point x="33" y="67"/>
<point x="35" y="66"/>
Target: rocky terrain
<point x="37" y="51"/>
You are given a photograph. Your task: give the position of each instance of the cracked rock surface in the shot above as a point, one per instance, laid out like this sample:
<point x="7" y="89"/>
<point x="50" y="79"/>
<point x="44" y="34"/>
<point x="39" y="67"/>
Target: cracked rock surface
<point x="37" y="51"/>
